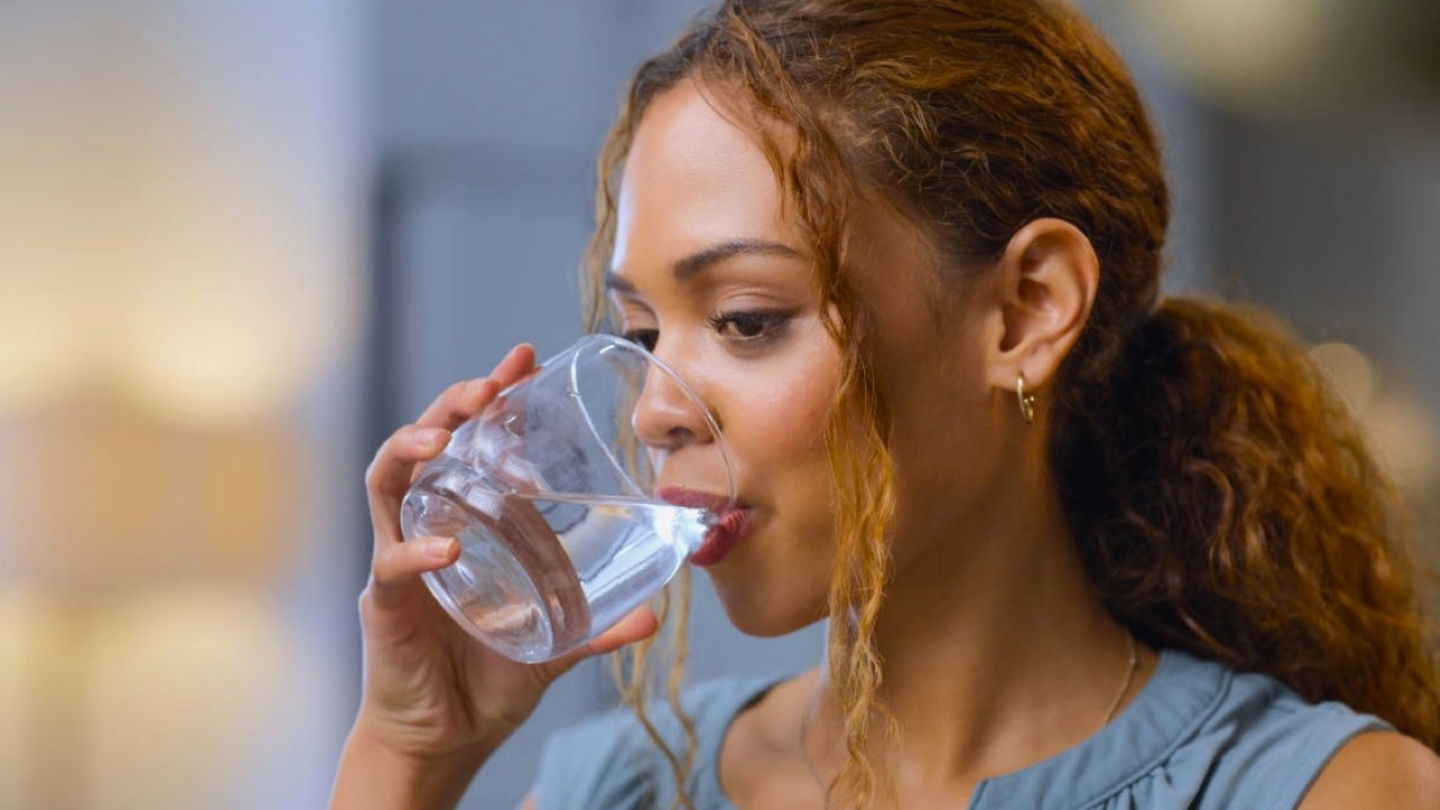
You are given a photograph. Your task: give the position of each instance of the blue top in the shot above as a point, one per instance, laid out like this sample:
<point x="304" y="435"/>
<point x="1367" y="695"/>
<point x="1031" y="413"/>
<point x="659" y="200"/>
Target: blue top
<point x="1198" y="735"/>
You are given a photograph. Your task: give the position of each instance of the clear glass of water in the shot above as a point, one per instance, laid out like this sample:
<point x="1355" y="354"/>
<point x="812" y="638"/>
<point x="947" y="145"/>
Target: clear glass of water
<point x="575" y="495"/>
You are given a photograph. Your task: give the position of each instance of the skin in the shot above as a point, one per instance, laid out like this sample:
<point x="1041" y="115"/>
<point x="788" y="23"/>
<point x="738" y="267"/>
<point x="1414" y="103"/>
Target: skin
<point x="997" y="654"/>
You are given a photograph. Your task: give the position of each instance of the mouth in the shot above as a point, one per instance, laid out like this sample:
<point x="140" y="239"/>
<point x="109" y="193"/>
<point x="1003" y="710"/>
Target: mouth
<point x="732" y="519"/>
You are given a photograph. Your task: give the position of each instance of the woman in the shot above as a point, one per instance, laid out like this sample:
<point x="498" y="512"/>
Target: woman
<point x="1080" y="546"/>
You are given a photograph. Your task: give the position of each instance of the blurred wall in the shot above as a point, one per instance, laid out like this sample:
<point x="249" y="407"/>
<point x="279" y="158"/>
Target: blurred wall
<point x="180" y="313"/>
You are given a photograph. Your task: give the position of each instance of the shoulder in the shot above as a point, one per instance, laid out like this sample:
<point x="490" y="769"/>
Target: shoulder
<point x="1256" y="742"/>
<point x="1281" y="742"/>
<point x="610" y="760"/>
<point x="1378" y="769"/>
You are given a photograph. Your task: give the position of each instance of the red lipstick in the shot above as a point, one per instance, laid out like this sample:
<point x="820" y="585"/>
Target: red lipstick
<point x="731" y="521"/>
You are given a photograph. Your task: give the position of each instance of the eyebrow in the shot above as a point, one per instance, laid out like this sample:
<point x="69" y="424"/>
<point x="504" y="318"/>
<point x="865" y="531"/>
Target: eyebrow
<point x="692" y="265"/>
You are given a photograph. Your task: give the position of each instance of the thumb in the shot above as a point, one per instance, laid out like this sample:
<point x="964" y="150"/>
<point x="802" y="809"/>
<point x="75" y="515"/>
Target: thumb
<point x="638" y="624"/>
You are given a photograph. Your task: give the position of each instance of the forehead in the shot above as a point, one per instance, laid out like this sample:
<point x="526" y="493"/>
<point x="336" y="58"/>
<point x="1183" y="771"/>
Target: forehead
<point x="692" y="178"/>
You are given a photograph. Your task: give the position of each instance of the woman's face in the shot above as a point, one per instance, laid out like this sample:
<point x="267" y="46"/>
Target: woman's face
<point x="744" y="329"/>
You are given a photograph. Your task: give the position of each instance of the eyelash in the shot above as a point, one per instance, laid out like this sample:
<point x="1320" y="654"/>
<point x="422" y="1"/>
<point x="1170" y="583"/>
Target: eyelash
<point x="770" y="324"/>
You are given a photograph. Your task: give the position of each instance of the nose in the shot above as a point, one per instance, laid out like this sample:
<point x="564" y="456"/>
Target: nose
<point x="665" y="418"/>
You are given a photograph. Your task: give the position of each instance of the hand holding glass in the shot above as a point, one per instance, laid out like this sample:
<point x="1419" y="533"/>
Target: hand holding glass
<point x="554" y="492"/>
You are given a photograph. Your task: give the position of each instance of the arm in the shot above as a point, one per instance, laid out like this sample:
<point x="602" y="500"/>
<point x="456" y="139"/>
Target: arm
<point x="1378" y="769"/>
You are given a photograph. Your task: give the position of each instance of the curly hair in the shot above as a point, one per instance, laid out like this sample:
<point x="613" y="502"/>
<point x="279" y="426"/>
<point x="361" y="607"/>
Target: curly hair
<point x="1223" y="500"/>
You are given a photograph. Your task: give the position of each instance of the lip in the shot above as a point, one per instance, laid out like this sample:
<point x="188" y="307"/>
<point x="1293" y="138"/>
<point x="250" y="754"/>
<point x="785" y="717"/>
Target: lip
<point x="724" y="534"/>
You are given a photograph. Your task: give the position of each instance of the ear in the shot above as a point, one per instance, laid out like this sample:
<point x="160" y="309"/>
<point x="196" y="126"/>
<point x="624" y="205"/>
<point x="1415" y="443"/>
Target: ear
<point x="1046" y="280"/>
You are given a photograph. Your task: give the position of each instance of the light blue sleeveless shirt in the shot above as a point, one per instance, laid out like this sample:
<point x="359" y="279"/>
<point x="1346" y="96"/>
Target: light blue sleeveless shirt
<point x="1198" y="735"/>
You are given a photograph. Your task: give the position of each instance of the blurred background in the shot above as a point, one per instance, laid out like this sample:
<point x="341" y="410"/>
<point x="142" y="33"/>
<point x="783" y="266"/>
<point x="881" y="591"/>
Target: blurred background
<point x="242" y="242"/>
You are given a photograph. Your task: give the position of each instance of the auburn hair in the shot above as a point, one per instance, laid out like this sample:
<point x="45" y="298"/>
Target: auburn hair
<point x="1222" y="498"/>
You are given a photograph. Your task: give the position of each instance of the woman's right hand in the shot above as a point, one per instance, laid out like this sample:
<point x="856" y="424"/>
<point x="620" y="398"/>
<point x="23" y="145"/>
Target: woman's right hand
<point x="431" y="692"/>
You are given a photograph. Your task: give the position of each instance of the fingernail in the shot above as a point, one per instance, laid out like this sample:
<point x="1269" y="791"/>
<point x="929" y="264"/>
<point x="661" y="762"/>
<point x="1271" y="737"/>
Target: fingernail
<point x="440" y="547"/>
<point x="429" y="436"/>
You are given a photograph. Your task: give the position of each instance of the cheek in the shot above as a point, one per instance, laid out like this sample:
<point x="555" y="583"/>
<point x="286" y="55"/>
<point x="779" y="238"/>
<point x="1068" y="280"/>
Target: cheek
<point x="947" y="438"/>
<point x="776" y="581"/>
<point x="783" y="423"/>
<point x="947" y="451"/>
<point x="777" y="419"/>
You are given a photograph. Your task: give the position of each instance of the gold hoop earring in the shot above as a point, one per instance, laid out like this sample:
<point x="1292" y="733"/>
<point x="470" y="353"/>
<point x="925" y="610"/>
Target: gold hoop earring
<point x="1027" y="401"/>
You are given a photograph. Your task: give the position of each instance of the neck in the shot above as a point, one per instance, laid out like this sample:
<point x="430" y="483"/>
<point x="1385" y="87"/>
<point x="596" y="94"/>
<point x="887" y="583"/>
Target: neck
<point x="996" y="654"/>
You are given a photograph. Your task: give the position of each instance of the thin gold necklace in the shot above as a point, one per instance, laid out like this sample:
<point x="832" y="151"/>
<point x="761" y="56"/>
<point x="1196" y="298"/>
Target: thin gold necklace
<point x="1124" y="687"/>
<point x="815" y="700"/>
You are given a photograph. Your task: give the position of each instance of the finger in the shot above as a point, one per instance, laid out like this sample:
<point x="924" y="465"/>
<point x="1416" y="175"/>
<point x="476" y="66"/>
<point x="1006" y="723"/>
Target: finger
<point x="515" y="365"/>
<point x="638" y="624"/>
<point x="401" y="563"/>
<point x="388" y="477"/>
<point x="398" y="461"/>
<point x="463" y="400"/>
<point x="458" y="403"/>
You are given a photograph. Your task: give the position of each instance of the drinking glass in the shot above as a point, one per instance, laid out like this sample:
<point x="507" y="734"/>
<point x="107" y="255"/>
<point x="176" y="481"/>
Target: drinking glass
<point x="576" y="494"/>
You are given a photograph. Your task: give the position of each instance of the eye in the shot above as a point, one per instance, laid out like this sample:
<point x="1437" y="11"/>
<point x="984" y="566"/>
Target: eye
<point x="753" y="327"/>
<point x="750" y="328"/>
<point x="644" y="337"/>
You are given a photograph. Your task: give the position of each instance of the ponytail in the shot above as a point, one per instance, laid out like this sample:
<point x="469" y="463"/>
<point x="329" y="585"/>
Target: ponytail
<point x="1225" y="503"/>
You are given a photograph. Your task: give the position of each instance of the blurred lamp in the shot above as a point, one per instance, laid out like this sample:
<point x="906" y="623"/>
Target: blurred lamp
<point x="1237" y="48"/>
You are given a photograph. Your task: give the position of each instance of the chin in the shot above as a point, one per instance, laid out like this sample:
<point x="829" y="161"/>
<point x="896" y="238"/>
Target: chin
<point x="764" y="611"/>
